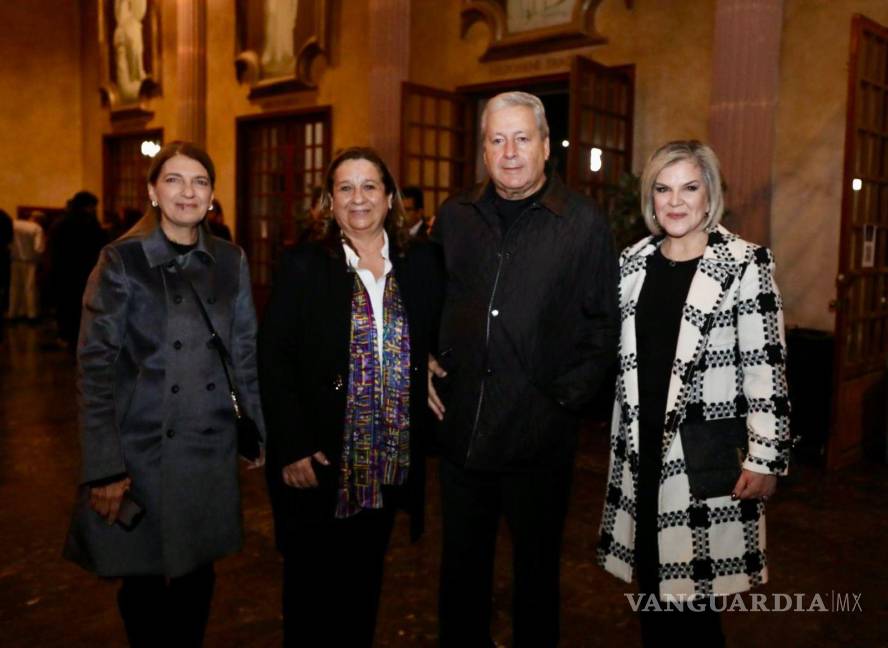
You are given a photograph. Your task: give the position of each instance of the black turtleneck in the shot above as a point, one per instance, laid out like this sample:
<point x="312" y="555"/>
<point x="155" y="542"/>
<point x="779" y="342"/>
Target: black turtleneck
<point x="180" y="248"/>
<point x="510" y="210"/>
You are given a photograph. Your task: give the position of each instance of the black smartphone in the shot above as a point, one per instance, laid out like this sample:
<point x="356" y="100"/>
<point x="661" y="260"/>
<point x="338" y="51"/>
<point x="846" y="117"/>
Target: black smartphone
<point x="131" y="512"/>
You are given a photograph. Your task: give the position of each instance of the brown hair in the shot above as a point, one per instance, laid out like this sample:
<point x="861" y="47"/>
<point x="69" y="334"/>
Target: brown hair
<point x="151" y="218"/>
<point x="396" y="219"/>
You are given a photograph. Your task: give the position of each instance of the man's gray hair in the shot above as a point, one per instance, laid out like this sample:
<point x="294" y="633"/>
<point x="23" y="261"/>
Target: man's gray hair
<point x="509" y="99"/>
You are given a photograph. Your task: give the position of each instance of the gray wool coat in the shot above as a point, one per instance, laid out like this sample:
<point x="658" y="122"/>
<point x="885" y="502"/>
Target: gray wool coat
<point x="154" y="403"/>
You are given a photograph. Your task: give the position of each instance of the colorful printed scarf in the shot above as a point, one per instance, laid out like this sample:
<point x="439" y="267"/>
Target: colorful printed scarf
<point x="376" y="443"/>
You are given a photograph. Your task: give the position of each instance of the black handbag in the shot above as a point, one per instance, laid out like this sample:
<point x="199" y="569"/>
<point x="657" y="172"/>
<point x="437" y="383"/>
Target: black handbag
<point x="248" y="440"/>
<point x="713" y="454"/>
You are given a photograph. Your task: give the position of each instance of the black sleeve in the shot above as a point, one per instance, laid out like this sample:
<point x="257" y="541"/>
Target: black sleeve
<point x="287" y="439"/>
<point x="599" y="326"/>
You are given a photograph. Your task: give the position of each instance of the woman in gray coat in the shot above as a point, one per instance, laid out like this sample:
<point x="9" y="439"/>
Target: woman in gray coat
<point x="157" y="422"/>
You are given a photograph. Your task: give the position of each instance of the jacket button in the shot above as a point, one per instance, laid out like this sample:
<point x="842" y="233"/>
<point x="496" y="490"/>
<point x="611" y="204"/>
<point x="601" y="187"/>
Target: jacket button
<point x="209" y="431"/>
<point x="175" y="389"/>
<point x="177" y="299"/>
<point x="489" y="371"/>
<point x="494" y="313"/>
<point x="211" y="300"/>
<point x="171" y="434"/>
<point x="211" y="386"/>
<point x="177" y="345"/>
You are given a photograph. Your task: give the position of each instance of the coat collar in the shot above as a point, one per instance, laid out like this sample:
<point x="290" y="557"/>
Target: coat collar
<point x="160" y="251"/>
<point x="722" y="247"/>
<point x="554" y="196"/>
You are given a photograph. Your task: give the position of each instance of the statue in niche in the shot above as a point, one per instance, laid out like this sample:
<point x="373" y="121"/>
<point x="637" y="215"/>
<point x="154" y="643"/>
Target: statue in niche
<point x="128" y="47"/>
<point x="278" y="58"/>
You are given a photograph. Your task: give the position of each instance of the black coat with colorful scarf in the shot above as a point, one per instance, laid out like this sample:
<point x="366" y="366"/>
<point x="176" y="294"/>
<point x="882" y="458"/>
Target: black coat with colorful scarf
<point x="304" y="341"/>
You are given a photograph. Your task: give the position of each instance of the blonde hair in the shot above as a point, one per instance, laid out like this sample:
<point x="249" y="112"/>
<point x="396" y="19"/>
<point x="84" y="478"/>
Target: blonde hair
<point x="667" y="155"/>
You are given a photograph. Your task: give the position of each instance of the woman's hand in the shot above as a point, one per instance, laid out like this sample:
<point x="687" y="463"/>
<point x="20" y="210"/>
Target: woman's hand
<point x="300" y="474"/>
<point x="753" y="485"/>
<point x="105" y="500"/>
<point x="435" y="403"/>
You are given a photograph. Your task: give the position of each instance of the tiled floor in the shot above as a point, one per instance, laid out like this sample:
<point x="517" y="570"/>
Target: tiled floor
<point x="827" y="533"/>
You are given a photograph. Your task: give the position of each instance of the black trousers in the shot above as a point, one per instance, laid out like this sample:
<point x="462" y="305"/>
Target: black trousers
<point x="675" y="626"/>
<point x="332" y="580"/>
<point x="160" y="611"/>
<point x="534" y="505"/>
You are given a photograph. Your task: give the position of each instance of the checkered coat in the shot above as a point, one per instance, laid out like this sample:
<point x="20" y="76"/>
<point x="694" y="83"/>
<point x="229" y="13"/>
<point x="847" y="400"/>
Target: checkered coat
<point x="729" y="361"/>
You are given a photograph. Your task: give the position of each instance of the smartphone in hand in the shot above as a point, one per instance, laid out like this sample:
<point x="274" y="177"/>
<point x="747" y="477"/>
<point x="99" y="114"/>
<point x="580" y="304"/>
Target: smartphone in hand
<point x="131" y="511"/>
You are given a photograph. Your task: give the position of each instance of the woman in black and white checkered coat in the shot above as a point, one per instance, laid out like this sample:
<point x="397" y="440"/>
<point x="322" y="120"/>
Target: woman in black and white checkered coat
<point x="702" y="348"/>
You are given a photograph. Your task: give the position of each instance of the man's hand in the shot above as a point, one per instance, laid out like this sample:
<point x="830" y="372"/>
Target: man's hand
<point x="753" y="485"/>
<point x="105" y="500"/>
<point x="300" y="474"/>
<point x="435" y="403"/>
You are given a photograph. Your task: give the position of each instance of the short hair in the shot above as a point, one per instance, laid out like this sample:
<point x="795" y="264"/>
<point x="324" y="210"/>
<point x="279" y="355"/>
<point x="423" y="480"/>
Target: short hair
<point x="667" y="155"/>
<point x="414" y="192"/>
<point x="515" y="98"/>
<point x="83" y="200"/>
<point x="395" y="220"/>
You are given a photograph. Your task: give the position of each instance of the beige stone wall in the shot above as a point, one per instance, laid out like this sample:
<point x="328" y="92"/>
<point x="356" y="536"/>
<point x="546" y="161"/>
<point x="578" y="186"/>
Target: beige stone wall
<point x="51" y="134"/>
<point x="40" y="111"/>
<point x="670" y="44"/>
<point x="806" y="208"/>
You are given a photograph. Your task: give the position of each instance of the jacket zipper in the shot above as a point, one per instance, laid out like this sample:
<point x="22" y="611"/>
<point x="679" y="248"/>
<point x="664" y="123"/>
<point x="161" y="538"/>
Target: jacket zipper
<point x="499" y="267"/>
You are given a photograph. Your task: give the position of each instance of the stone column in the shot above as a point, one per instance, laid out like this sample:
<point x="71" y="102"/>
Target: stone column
<point x="191" y="70"/>
<point x="743" y="105"/>
<point x="389" y="40"/>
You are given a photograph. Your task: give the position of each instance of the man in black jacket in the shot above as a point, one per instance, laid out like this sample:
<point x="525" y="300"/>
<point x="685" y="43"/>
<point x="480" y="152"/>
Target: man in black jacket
<point x="528" y="332"/>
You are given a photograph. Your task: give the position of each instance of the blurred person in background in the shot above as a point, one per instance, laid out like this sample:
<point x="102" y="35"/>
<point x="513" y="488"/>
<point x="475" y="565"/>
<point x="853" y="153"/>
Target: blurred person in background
<point x="27" y="246"/>
<point x="414" y="204"/>
<point x="75" y="242"/>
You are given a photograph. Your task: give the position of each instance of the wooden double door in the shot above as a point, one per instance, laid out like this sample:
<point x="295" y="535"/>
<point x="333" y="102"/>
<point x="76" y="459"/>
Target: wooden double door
<point x="861" y="348"/>
<point x="439" y="130"/>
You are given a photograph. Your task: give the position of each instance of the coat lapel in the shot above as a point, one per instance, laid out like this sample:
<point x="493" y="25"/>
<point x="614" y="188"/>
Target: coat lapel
<point x="715" y="275"/>
<point x="632" y="274"/>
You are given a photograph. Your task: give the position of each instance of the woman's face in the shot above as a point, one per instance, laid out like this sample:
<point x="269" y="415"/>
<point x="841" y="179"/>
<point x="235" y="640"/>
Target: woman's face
<point x="359" y="201"/>
<point x="183" y="193"/>
<point x="680" y="199"/>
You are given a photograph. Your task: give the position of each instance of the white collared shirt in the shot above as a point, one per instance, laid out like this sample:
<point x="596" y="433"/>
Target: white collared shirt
<point x="375" y="287"/>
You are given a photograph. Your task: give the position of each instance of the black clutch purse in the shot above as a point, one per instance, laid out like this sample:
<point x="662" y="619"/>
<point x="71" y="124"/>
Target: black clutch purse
<point x="248" y="440"/>
<point x="713" y="454"/>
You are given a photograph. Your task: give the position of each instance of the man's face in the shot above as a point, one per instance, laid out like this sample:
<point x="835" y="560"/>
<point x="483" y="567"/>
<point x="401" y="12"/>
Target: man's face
<point x="413" y="214"/>
<point x="515" y="152"/>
